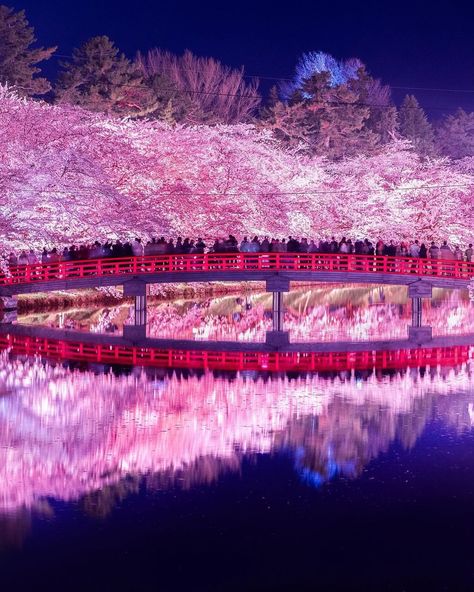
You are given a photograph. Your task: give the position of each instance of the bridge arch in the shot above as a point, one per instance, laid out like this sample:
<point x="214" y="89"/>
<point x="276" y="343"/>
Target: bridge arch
<point x="277" y="270"/>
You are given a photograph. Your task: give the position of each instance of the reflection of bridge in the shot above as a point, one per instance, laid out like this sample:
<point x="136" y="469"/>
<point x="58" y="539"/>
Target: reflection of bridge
<point x="152" y="424"/>
<point x="267" y="361"/>
<point x="276" y="269"/>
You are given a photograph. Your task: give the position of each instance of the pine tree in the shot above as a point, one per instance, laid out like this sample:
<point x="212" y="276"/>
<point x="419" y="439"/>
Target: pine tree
<point x="374" y="95"/>
<point x="414" y="126"/>
<point x="289" y="124"/>
<point x="167" y="114"/>
<point x="455" y="137"/>
<point x="99" y="78"/>
<point x="336" y="121"/>
<point x="171" y="103"/>
<point x="337" y="118"/>
<point x="17" y="59"/>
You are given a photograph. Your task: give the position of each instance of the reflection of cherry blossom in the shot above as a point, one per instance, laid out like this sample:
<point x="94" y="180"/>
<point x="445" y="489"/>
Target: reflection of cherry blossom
<point x="197" y="323"/>
<point x="106" y="321"/>
<point x="64" y="433"/>
<point x="329" y="314"/>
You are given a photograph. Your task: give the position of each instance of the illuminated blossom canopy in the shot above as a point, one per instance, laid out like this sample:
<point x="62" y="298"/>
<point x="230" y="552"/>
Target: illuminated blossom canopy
<point x="68" y="175"/>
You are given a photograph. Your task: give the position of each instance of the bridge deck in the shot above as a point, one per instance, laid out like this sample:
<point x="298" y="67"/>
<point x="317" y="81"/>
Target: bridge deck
<point x="235" y="267"/>
<point x="234" y="360"/>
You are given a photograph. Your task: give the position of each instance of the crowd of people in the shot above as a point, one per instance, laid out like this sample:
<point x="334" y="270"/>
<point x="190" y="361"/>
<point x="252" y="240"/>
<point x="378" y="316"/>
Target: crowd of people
<point x="162" y="246"/>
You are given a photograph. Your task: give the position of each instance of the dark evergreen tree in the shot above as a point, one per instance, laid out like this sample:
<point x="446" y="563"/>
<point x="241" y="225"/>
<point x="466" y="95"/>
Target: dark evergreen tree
<point x="18" y="59"/>
<point x="374" y="95"/>
<point x="289" y="124"/>
<point x="172" y="105"/>
<point x="328" y="120"/>
<point x="99" y="78"/>
<point x="455" y="136"/>
<point x="414" y="126"/>
<point x="273" y="97"/>
<point x="339" y="117"/>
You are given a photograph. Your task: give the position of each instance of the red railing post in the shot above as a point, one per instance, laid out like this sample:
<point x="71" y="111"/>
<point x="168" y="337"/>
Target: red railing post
<point x="350" y="262"/>
<point x="457" y="269"/>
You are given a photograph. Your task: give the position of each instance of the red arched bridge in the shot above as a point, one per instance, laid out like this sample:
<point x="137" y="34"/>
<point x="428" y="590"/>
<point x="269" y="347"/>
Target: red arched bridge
<point x="277" y="269"/>
<point x="235" y="360"/>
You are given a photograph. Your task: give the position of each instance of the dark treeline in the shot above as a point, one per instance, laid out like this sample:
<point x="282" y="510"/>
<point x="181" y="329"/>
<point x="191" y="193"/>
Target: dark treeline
<point x="329" y="108"/>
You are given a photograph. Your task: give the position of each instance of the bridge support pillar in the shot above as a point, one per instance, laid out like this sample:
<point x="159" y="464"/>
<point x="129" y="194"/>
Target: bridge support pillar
<point x="418" y="332"/>
<point x="8" y="309"/>
<point x="138" y="290"/>
<point x="420" y="289"/>
<point x="277" y="311"/>
<point x="277" y="337"/>
<point x="278" y="283"/>
<point x="416" y="312"/>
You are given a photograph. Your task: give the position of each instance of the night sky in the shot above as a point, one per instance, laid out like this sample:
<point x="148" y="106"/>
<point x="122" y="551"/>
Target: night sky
<point x="408" y="44"/>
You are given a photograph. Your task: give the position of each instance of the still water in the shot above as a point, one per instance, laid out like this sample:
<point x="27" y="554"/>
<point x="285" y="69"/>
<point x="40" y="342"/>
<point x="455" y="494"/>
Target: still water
<point x="126" y="478"/>
<point x="327" y="313"/>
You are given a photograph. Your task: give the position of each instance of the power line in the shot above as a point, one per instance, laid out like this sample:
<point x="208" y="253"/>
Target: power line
<point x="284" y="79"/>
<point x="256" y="96"/>
<point x="261" y="193"/>
<point x="259" y="97"/>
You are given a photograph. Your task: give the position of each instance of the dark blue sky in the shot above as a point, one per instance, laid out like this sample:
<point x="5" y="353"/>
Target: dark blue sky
<point x="414" y="44"/>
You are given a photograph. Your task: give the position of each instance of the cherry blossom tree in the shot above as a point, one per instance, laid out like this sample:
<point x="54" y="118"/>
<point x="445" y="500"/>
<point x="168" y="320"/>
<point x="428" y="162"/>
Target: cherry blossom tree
<point x="70" y="175"/>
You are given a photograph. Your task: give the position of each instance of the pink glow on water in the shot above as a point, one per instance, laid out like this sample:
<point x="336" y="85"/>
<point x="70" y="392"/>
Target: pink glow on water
<point x="64" y="433"/>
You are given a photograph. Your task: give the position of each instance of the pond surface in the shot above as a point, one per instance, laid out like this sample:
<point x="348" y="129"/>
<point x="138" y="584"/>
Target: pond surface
<point x="325" y="313"/>
<point x="130" y="478"/>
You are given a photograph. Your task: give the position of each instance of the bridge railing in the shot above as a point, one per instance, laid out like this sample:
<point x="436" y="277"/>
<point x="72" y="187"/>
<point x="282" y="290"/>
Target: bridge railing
<point x="247" y="262"/>
<point x="235" y="360"/>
